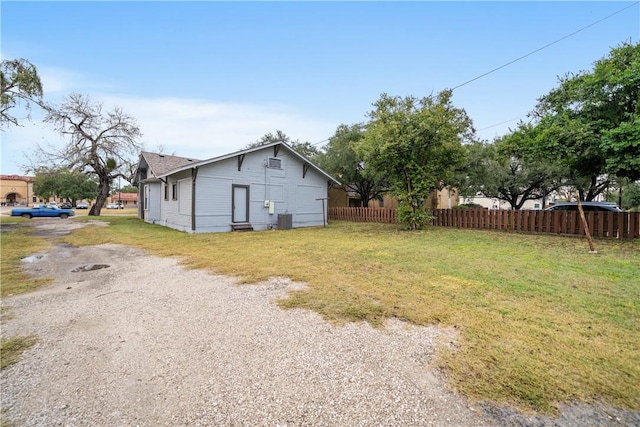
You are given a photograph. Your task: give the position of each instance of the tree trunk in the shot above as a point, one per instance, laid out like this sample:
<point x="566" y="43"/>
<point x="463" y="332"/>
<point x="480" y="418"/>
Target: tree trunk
<point x="620" y="198"/>
<point x="587" y="232"/>
<point x="104" y="188"/>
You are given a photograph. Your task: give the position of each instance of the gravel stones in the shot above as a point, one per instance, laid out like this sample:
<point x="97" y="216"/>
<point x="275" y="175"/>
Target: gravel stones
<point x="146" y="342"/>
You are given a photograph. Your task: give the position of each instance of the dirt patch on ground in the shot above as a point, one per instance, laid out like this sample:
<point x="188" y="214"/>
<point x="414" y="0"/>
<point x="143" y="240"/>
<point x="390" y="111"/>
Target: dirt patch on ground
<point x="142" y="341"/>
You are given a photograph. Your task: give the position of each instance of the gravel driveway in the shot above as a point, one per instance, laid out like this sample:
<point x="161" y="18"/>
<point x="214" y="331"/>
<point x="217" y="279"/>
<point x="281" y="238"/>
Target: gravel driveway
<point x="146" y="342"/>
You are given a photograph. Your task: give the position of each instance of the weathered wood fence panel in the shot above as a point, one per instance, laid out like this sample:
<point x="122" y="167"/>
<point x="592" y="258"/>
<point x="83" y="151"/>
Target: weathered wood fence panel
<point x="363" y="214"/>
<point x="624" y="225"/>
<point x="601" y="224"/>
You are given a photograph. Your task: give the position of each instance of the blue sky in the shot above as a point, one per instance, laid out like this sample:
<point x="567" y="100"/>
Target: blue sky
<point x="207" y="78"/>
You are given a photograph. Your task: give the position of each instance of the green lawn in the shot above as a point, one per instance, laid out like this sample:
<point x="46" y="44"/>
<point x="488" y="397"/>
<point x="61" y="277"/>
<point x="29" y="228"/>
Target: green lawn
<point x="540" y="320"/>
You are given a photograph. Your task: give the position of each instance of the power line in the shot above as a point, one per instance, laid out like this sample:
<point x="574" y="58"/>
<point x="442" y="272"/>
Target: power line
<point x="545" y="46"/>
<point x="320" y="142"/>
<point x="501" y="123"/>
<point x="520" y="58"/>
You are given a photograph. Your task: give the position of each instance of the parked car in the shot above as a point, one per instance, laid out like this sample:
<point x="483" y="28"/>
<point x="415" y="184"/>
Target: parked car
<point x="82" y="205"/>
<point x="43" y="211"/>
<point x="66" y="205"/>
<point x="115" y="206"/>
<point x="586" y="206"/>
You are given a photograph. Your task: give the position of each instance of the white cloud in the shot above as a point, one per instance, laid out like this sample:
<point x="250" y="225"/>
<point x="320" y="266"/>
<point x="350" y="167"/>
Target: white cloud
<point x="185" y="127"/>
<point x="20" y="142"/>
<point x="57" y="80"/>
<point x="204" y="129"/>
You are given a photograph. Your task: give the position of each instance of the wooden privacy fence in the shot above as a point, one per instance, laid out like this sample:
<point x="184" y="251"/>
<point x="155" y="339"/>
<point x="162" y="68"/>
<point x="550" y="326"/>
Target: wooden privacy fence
<point x="363" y="214"/>
<point x="601" y="224"/>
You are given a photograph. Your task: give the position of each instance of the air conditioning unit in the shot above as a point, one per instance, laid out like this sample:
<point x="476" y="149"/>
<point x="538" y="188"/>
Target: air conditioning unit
<point x="285" y="221"/>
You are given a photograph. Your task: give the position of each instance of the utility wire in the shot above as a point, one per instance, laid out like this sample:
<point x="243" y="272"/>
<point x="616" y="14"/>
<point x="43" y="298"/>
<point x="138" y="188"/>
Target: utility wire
<point x="501" y="123"/>
<point x="320" y="142"/>
<point x="522" y="57"/>
<point x="545" y="46"/>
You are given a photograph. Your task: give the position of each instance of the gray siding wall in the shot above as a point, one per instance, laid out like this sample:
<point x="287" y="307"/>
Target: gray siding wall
<point x="152" y="193"/>
<point x="214" y="188"/>
<point x="177" y="213"/>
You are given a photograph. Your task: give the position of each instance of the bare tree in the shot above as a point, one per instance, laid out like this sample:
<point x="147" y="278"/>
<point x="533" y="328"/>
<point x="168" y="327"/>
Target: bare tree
<point x="101" y="144"/>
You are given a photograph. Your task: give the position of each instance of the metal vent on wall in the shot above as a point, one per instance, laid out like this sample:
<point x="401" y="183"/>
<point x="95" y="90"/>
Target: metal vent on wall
<point x="274" y="163"/>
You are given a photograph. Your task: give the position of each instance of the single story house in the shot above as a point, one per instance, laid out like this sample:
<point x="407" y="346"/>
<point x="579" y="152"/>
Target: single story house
<point x="260" y="188"/>
<point x="126" y="199"/>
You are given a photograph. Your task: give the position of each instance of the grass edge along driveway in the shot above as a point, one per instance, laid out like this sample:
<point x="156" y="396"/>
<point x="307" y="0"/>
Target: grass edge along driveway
<point x="541" y="321"/>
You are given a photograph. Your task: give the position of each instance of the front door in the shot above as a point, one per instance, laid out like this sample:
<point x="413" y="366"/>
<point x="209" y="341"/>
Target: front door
<point x="240" y="203"/>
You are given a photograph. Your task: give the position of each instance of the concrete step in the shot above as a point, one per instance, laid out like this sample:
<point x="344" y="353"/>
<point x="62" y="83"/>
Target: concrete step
<point x="245" y="226"/>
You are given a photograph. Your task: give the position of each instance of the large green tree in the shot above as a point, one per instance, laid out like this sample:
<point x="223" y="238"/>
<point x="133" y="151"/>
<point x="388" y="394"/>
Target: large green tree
<point x="307" y="149"/>
<point x="614" y="94"/>
<point x="512" y="168"/>
<point x="101" y="143"/>
<point x="63" y="183"/>
<point x="342" y="160"/>
<point x="417" y="144"/>
<point x="19" y="85"/>
<point x="128" y="188"/>
<point x="592" y="122"/>
<point x="626" y="195"/>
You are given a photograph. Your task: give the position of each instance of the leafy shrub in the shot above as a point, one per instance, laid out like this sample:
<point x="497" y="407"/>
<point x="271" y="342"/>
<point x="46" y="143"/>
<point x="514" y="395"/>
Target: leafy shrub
<point x="413" y="219"/>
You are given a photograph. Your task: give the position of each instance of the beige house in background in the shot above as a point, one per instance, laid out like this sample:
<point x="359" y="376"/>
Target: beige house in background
<point x="16" y="189"/>
<point x="339" y="197"/>
<point x="127" y="199"/>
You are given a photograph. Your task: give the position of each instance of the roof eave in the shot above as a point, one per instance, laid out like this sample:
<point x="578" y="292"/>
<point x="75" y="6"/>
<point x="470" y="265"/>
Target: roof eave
<point x="251" y="150"/>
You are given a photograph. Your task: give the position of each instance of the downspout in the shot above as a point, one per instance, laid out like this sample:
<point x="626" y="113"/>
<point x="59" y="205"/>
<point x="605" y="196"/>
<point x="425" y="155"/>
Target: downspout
<point x="194" y="174"/>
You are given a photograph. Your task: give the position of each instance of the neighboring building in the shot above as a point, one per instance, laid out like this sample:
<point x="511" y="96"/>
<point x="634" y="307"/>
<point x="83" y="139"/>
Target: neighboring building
<point x="127" y="199"/>
<point x="17" y="189"/>
<point x="340" y="197"/>
<point x="494" y="203"/>
<point x="259" y="188"/>
<point x="561" y="195"/>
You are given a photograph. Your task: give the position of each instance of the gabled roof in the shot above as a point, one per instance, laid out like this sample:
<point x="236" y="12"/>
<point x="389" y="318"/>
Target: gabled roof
<point x="250" y="150"/>
<point x="160" y="164"/>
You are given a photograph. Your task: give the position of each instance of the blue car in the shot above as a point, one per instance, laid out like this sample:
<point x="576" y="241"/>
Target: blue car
<point x="43" y="211"/>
